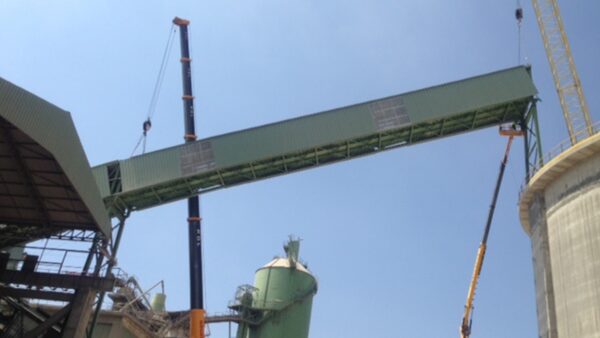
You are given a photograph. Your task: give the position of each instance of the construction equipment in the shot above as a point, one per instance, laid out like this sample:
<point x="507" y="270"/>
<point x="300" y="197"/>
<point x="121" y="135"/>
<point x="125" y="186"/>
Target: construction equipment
<point x="465" y="327"/>
<point x="574" y="107"/>
<point x="197" y="312"/>
<point x="566" y="79"/>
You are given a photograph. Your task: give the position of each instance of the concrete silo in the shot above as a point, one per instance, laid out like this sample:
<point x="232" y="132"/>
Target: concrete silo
<point x="560" y="210"/>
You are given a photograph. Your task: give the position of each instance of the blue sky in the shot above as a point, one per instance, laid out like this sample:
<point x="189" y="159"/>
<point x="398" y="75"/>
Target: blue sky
<point x="392" y="238"/>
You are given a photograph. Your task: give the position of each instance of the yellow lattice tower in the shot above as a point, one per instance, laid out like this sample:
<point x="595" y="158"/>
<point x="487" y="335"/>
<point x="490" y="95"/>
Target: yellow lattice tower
<point x="566" y="79"/>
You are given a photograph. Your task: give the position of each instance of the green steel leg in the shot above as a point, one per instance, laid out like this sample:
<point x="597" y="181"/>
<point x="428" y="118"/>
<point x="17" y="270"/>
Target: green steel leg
<point x="533" y="142"/>
<point x="110" y="264"/>
<point x="538" y="135"/>
<point x="526" y="145"/>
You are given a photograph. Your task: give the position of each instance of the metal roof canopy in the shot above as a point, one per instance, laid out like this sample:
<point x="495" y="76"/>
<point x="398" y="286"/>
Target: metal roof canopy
<point x="309" y="141"/>
<point x="46" y="185"/>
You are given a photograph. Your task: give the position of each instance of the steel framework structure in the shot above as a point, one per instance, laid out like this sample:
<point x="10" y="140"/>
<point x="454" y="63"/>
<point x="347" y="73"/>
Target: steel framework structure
<point x="237" y="158"/>
<point x="277" y="149"/>
<point x="566" y="78"/>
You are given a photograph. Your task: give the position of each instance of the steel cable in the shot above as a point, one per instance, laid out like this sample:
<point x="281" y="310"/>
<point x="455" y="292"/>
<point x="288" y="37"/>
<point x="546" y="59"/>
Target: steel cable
<point x="156" y="92"/>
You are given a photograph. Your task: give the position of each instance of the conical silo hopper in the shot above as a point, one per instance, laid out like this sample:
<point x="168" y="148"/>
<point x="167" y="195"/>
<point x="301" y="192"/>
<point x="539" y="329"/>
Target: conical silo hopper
<point x="279" y="305"/>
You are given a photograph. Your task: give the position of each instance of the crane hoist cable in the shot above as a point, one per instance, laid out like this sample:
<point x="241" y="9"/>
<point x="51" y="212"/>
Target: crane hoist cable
<point x="519" y="17"/>
<point x="465" y="325"/>
<point x="147" y="124"/>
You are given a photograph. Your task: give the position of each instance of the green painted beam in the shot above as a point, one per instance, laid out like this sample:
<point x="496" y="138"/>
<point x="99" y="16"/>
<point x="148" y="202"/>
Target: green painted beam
<point x="314" y="140"/>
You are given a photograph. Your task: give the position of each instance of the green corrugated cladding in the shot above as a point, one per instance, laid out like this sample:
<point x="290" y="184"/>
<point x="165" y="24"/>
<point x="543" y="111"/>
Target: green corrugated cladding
<point x="291" y="136"/>
<point x="54" y="130"/>
<point x="474" y="93"/>
<point x="151" y="169"/>
<point x="279" y="148"/>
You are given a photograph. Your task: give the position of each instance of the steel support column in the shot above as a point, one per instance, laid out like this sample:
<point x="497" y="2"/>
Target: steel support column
<point x="533" y="142"/>
<point x="109" y="265"/>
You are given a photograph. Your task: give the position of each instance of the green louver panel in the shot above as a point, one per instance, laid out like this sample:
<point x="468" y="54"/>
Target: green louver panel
<point x="155" y="169"/>
<point x="312" y="140"/>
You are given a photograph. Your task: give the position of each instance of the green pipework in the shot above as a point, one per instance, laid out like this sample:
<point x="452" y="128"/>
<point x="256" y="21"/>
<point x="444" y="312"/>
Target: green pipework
<point x="280" y="303"/>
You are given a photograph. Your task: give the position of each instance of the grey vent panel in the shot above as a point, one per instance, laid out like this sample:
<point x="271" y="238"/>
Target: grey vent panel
<point x="389" y="114"/>
<point x="197" y="157"/>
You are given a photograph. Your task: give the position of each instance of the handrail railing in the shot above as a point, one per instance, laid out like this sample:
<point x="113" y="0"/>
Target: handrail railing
<point x="557" y="150"/>
<point x="562" y="146"/>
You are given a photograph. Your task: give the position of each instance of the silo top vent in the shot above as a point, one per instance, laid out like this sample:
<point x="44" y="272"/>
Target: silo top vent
<point x="292" y="250"/>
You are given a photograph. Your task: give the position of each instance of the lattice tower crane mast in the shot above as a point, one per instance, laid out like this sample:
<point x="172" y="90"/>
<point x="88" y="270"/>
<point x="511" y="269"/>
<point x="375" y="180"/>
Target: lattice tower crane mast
<point x="566" y="79"/>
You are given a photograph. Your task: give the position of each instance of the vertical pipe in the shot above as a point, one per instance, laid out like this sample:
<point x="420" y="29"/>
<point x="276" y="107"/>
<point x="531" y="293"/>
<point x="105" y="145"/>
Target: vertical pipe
<point x="194" y="224"/>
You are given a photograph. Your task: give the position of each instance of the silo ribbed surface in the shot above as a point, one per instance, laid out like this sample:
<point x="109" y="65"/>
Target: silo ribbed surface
<point x="287" y="291"/>
<point x="561" y="211"/>
<point x="280" y="302"/>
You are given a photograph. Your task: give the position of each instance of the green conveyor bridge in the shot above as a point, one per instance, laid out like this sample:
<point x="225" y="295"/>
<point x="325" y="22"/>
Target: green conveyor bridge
<point x="310" y="141"/>
<point x="47" y="189"/>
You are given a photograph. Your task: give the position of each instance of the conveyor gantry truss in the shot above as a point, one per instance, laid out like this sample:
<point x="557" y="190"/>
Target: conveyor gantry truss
<point x="280" y="148"/>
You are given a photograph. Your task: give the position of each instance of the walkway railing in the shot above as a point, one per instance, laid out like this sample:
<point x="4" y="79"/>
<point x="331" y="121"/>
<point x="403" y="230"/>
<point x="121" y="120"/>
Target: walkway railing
<point x="561" y="147"/>
<point x="557" y="150"/>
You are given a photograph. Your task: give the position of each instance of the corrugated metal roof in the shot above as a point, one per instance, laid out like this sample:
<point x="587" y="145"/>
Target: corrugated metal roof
<point x="49" y="151"/>
<point x="460" y="96"/>
<point x="326" y="137"/>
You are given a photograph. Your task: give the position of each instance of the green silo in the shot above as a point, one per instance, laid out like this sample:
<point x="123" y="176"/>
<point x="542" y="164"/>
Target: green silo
<point x="281" y="299"/>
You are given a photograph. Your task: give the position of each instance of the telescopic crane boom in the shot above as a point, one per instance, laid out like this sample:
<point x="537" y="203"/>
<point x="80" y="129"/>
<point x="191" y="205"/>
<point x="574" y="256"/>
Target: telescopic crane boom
<point x="197" y="313"/>
<point x="465" y="327"/>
